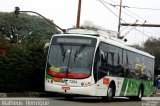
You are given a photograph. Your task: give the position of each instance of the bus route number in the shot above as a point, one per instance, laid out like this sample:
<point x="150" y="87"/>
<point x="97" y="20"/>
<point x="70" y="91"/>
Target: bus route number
<point x="72" y="81"/>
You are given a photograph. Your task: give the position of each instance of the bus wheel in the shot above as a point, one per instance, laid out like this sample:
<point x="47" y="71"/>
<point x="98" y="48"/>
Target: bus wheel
<point x="140" y="94"/>
<point x="110" y="92"/>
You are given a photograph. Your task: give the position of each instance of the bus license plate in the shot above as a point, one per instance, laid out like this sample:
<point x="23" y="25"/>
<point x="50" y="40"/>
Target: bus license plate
<point x="65" y="88"/>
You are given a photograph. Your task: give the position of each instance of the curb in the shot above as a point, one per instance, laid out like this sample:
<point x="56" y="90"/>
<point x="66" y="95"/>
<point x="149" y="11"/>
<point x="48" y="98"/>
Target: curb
<point x="28" y="94"/>
<point x="3" y="95"/>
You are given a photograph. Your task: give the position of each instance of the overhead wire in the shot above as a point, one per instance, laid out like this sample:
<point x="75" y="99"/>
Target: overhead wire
<point x="143" y="19"/>
<point x="134" y="14"/>
<point x="141" y="32"/>
<point x="109" y="9"/>
<point x="117" y="15"/>
<point x="118" y="9"/>
<point x="103" y="2"/>
<point x="144" y="8"/>
<point x="139" y="8"/>
<point x="124" y="13"/>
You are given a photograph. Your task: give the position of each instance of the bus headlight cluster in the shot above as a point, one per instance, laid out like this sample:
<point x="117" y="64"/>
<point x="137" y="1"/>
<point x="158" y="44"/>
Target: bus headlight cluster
<point x="85" y="83"/>
<point x="49" y="81"/>
<point x="82" y="83"/>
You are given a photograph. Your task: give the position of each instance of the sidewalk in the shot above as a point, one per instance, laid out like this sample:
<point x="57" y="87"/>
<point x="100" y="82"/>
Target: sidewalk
<point x="157" y="93"/>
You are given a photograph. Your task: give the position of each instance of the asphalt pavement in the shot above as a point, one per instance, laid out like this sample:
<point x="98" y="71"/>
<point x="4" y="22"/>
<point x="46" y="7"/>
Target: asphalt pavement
<point x="45" y="94"/>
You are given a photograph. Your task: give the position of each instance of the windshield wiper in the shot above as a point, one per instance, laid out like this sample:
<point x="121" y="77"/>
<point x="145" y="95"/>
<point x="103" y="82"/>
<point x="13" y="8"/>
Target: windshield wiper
<point x="63" y="51"/>
<point x="79" y="51"/>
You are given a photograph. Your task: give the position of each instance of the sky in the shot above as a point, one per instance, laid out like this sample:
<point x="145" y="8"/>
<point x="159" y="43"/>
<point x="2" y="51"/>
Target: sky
<point x="64" y="14"/>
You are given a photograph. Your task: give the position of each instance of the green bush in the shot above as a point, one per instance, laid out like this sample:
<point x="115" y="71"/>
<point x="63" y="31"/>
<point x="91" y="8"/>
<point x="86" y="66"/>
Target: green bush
<point x="22" y="66"/>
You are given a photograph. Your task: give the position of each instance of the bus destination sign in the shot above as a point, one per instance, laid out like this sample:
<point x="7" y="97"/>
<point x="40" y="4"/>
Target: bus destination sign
<point x="73" y="40"/>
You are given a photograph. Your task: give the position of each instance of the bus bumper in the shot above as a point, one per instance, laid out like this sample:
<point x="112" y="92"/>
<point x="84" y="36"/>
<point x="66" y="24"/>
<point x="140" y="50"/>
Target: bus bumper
<point x="86" y="90"/>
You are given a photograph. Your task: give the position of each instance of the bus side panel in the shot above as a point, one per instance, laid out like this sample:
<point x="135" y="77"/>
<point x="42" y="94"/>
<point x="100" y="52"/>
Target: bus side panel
<point x="102" y="85"/>
<point x="131" y="87"/>
<point x="148" y="87"/>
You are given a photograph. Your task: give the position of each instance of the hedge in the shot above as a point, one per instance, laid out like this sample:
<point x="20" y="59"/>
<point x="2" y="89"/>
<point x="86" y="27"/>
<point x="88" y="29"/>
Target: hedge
<point x="22" y="66"/>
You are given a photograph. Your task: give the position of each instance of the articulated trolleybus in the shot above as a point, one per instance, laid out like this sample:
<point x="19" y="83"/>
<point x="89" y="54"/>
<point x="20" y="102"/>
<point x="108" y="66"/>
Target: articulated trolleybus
<point x="96" y="63"/>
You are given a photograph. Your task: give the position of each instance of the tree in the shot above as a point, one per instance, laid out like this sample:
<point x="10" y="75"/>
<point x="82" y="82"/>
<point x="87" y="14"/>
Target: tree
<point x="22" y="65"/>
<point x="25" y="26"/>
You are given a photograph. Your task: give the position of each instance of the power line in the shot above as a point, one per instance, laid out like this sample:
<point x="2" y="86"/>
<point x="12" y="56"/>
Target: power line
<point x="142" y="33"/>
<point x="127" y="10"/>
<point x="104" y="4"/>
<point x="144" y="8"/>
<point x="134" y="14"/>
<point x="139" y="8"/>
<point x="150" y="32"/>
<point x="108" y="8"/>
<point x="157" y="31"/>
<point x="122" y="11"/>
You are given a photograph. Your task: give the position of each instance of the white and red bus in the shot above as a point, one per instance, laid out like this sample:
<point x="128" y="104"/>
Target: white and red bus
<point x="95" y="63"/>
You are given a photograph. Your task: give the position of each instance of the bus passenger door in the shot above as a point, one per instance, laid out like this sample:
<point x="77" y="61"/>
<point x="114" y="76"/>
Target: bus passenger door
<point x="99" y="75"/>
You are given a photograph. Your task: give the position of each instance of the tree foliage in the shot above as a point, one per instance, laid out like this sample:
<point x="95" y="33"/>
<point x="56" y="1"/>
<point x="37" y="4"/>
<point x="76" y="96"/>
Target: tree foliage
<point x="22" y="65"/>
<point x="19" y="28"/>
<point x="22" y="59"/>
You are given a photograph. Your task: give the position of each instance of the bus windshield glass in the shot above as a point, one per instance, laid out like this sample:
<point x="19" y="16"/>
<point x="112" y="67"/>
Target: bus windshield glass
<point x="71" y="57"/>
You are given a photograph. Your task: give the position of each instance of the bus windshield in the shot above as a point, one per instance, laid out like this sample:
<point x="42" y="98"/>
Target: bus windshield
<point x="70" y="60"/>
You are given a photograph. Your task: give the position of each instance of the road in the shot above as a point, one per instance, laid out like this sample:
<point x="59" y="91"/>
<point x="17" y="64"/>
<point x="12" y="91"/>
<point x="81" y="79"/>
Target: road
<point x="78" y="101"/>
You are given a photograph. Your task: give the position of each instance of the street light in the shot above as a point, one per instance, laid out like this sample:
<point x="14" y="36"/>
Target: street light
<point x="17" y="12"/>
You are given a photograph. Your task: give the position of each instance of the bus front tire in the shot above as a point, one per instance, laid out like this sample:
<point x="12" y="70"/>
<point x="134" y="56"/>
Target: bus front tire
<point x="110" y="93"/>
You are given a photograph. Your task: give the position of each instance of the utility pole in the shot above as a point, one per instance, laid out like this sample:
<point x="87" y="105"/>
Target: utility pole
<point x="119" y="21"/>
<point x="79" y="14"/>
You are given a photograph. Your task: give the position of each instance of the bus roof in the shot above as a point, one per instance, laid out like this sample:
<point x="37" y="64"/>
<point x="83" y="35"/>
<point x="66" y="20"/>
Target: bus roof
<point x="106" y="36"/>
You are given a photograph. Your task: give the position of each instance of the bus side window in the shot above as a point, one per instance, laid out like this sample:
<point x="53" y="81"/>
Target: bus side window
<point x="118" y="71"/>
<point x="125" y="64"/>
<point x="103" y="70"/>
<point x="102" y="58"/>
